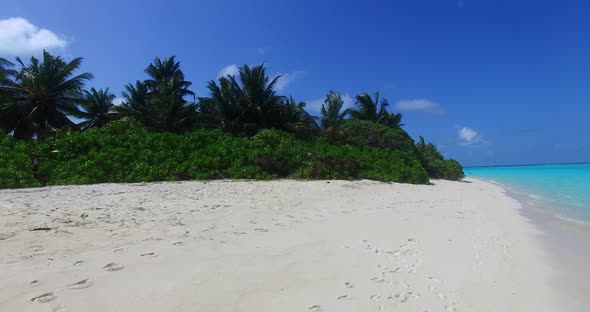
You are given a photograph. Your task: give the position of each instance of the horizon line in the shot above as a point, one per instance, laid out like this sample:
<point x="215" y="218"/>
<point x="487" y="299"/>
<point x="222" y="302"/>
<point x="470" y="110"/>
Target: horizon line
<point x="528" y="165"/>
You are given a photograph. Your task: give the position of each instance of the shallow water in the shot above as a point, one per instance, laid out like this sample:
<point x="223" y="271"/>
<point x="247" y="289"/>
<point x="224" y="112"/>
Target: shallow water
<point x="563" y="189"/>
<point x="557" y="199"/>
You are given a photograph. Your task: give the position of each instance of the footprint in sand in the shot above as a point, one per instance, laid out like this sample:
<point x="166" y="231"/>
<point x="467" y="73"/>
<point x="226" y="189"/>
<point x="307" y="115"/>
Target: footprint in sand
<point x="344" y="297"/>
<point x="434" y="279"/>
<point x="36" y="248"/>
<point x="118" y="250"/>
<point x="315" y="308"/>
<point x="77" y="263"/>
<point x="85" y="283"/>
<point x="399" y="297"/>
<point x="149" y="255"/>
<point x="34" y="283"/>
<point x="47" y="297"/>
<point x="178" y="244"/>
<point x="111" y="267"/>
<point x="348" y="285"/>
<point x="261" y="230"/>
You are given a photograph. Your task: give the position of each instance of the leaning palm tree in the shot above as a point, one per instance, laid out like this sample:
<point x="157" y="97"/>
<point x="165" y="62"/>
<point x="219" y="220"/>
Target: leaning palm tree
<point x="43" y="93"/>
<point x="333" y="116"/>
<point x="97" y="108"/>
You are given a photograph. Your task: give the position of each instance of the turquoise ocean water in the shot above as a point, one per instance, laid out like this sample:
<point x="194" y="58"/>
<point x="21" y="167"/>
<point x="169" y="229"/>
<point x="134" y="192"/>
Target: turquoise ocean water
<point x="561" y="189"/>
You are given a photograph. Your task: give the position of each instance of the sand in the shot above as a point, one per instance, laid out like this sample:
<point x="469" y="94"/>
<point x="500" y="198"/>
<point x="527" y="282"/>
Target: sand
<point x="272" y="246"/>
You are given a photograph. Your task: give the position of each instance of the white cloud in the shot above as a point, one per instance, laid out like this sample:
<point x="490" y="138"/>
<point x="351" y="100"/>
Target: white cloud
<point x="285" y="80"/>
<point x="315" y="106"/>
<point x="231" y="70"/>
<point x="468" y="136"/>
<point x="18" y="37"/>
<point x="423" y="105"/>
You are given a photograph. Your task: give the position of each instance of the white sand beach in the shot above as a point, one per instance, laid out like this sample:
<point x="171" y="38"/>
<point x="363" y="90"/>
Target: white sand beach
<point x="272" y="246"/>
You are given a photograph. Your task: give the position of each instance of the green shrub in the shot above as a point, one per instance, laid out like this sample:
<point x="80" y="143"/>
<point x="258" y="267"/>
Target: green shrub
<point x="124" y="152"/>
<point x="435" y="164"/>
<point x="275" y="152"/>
<point x="16" y="165"/>
<point x="367" y="133"/>
<point x="452" y="170"/>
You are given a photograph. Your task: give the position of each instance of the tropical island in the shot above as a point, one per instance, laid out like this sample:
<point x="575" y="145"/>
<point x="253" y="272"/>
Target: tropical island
<point x="144" y="168"/>
<point x="56" y="132"/>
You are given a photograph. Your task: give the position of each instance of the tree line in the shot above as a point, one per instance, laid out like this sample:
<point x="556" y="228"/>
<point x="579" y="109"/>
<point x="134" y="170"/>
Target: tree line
<point x="268" y="135"/>
<point x="40" y="97"/>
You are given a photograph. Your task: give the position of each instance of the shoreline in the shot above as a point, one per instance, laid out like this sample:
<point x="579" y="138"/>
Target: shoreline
<point x="566" y="240"/>
<point x="274" y="245"/>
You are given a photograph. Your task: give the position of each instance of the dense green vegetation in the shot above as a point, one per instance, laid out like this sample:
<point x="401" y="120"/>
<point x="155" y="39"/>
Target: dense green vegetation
<point x="162" y="131"/>
<point x="435" y="165"/>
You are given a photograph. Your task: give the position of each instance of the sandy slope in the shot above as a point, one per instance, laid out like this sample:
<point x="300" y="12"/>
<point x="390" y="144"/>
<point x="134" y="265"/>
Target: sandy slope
<point x="271" y="246"/>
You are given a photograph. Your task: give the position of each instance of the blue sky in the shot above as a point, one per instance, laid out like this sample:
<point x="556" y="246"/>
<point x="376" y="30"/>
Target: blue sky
<point x="489" y="82"/>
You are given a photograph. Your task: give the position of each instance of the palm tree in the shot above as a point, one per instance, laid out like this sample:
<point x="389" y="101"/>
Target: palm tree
<point x="159" y="102"/>
<point x="6" y="71"/>
<point x="223" y="105"/>
<point x="97" y="108"/>
<point x="170" y="113"/>
<point x="374" y="110"/>
<point x="332" y="115"/>
<point x="43" y="94"/>
<point x="135" y="101"/>
<point x="6" y="74"/>
<point x="391" y="119"/>
<point x="297" y="120"/>
<point x="366" y="107"/>
<point x="166" y="76"/>
<point x="250" y="104"/>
